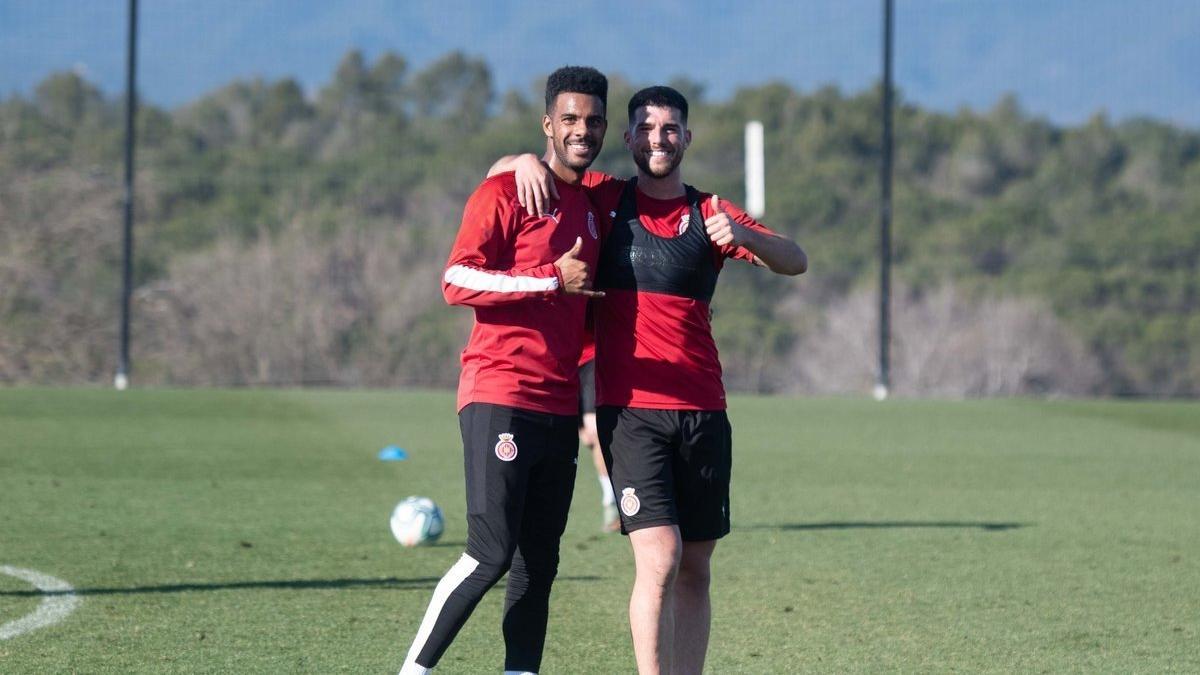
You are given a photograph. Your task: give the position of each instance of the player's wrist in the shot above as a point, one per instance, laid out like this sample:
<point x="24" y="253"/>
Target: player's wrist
<point x="562" y="284"/>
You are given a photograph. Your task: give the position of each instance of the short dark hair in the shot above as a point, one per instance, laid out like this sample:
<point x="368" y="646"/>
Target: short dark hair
<point x="576" y="80"/>
<point x="660" y="96"/>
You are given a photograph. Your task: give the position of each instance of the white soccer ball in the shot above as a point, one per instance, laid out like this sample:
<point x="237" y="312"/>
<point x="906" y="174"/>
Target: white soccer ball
<point x="416" y="521"/>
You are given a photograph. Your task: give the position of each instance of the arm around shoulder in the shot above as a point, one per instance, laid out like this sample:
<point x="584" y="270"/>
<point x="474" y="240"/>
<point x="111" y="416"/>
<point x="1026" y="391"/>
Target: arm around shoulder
<point x="509" y="163"/>
<point x="535" y="183"/>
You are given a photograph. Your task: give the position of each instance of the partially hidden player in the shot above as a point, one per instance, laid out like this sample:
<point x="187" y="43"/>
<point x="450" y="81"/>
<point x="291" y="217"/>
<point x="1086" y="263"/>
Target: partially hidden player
<point x="589" y="436"/>
<point x="528" y="279"/>
<point x="661" y="404"/>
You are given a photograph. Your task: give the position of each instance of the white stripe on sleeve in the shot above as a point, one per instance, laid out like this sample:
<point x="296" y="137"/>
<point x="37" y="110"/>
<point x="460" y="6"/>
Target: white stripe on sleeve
<point x="478" y="280"/>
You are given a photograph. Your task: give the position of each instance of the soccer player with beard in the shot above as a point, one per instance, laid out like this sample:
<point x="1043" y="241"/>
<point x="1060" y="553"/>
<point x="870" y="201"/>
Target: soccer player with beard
<point x="661" y="403"/>
<point x="528" y="279"/>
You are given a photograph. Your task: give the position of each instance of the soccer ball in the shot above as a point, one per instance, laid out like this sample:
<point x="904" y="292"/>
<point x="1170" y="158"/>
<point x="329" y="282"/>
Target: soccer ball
<point x="416" y="521"/>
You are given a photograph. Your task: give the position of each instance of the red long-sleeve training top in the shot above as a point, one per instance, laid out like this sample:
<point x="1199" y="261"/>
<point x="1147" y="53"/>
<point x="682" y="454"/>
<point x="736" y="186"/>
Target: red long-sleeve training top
<point x="525" y="344"/>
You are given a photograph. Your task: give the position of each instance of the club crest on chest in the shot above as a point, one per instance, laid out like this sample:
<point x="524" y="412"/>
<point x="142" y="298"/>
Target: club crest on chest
<point x="591" y="224"/>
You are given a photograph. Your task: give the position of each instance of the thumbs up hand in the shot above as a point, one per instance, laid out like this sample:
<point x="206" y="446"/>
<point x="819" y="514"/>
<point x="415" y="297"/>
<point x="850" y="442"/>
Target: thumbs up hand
<point x="722" y="229"/>
<point x="576" y="277"/>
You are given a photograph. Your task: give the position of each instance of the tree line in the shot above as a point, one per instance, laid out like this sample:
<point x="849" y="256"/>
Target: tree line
<point x="290" y="238"/>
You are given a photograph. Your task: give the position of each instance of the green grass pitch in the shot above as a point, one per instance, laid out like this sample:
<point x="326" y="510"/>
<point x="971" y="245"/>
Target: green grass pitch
<point x="246" y="531"/>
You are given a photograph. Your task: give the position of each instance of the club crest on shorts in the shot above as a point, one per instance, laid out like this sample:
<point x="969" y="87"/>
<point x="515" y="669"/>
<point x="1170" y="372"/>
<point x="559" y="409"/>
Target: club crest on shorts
<point x="684" y="222"/>
<point x="592" y="226"/>
<point x="506" y="449"/>
<point x="630" y="504"/>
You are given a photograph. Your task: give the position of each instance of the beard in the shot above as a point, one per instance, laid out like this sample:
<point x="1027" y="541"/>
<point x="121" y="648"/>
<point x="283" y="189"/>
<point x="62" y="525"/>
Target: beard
<point x="572" y="160"/>
<point x="643" y="163"/>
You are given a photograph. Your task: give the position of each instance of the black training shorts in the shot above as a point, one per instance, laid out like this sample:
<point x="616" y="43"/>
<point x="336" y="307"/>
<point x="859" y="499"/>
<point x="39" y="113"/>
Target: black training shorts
<point x="669" y="467"/>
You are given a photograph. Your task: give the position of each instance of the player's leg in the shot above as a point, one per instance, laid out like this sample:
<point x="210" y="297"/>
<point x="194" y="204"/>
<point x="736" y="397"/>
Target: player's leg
<point x="656" y="552"/>
<point x="535" y="563"/>
<point x="702" y="471"/>
<point x="692" y="608"/>
<point x="639" y="446"/>
<point x="495" y="494"/>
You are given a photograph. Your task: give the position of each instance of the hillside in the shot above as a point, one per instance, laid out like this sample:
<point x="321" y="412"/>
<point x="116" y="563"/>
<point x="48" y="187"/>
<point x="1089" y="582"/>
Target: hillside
<point x="285" y="239"/>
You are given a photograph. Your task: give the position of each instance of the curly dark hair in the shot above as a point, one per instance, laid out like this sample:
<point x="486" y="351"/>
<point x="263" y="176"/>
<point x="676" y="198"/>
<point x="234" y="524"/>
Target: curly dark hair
<point x="660" y="96"/>
<point x="576" y="80"/>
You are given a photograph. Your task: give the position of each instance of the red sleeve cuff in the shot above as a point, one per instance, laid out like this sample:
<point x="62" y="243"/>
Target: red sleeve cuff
<point x="558" y="275"/>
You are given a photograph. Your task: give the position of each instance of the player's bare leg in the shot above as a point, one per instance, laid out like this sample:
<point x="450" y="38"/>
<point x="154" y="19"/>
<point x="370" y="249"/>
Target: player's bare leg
<point x="656" y="553"/>
<point x="693" y="609"/>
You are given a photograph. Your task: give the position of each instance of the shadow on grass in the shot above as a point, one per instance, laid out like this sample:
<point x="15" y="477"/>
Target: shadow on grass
<point x="889" y="525"/>
<point x="425" y="583"/>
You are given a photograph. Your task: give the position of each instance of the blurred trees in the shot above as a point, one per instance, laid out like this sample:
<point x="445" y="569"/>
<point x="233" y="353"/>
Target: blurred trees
<point x="289" y="237"/>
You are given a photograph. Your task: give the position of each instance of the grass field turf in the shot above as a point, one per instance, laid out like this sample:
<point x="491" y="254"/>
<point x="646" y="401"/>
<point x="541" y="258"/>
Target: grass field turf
<point x="246" y="531"/>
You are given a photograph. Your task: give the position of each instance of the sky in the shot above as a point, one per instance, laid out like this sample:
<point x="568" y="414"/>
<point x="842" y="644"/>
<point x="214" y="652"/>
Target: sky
<point x="1065" y="60"/>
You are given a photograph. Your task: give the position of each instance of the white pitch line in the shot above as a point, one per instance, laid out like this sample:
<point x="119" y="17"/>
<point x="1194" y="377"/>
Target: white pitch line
<point x="54" y="608"/>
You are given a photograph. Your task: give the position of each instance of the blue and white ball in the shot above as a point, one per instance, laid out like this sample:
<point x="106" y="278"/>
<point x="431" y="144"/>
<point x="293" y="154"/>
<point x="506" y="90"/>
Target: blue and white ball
<point x="416" y="521"/>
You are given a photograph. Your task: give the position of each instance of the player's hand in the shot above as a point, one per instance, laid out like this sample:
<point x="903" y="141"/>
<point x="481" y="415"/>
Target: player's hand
<point x="722" y="228"/>
<point x="535" y="184"/>
<point x="576" y="277"/>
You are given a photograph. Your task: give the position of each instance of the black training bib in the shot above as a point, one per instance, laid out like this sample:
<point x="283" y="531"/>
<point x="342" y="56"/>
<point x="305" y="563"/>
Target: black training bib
<point x="635" y="259"/>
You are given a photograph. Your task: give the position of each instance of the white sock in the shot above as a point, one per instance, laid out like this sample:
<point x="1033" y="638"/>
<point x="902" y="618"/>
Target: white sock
<point x="606" y="492"/>
<point x="518" y="672"/>
<point x="411" y="668"/>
